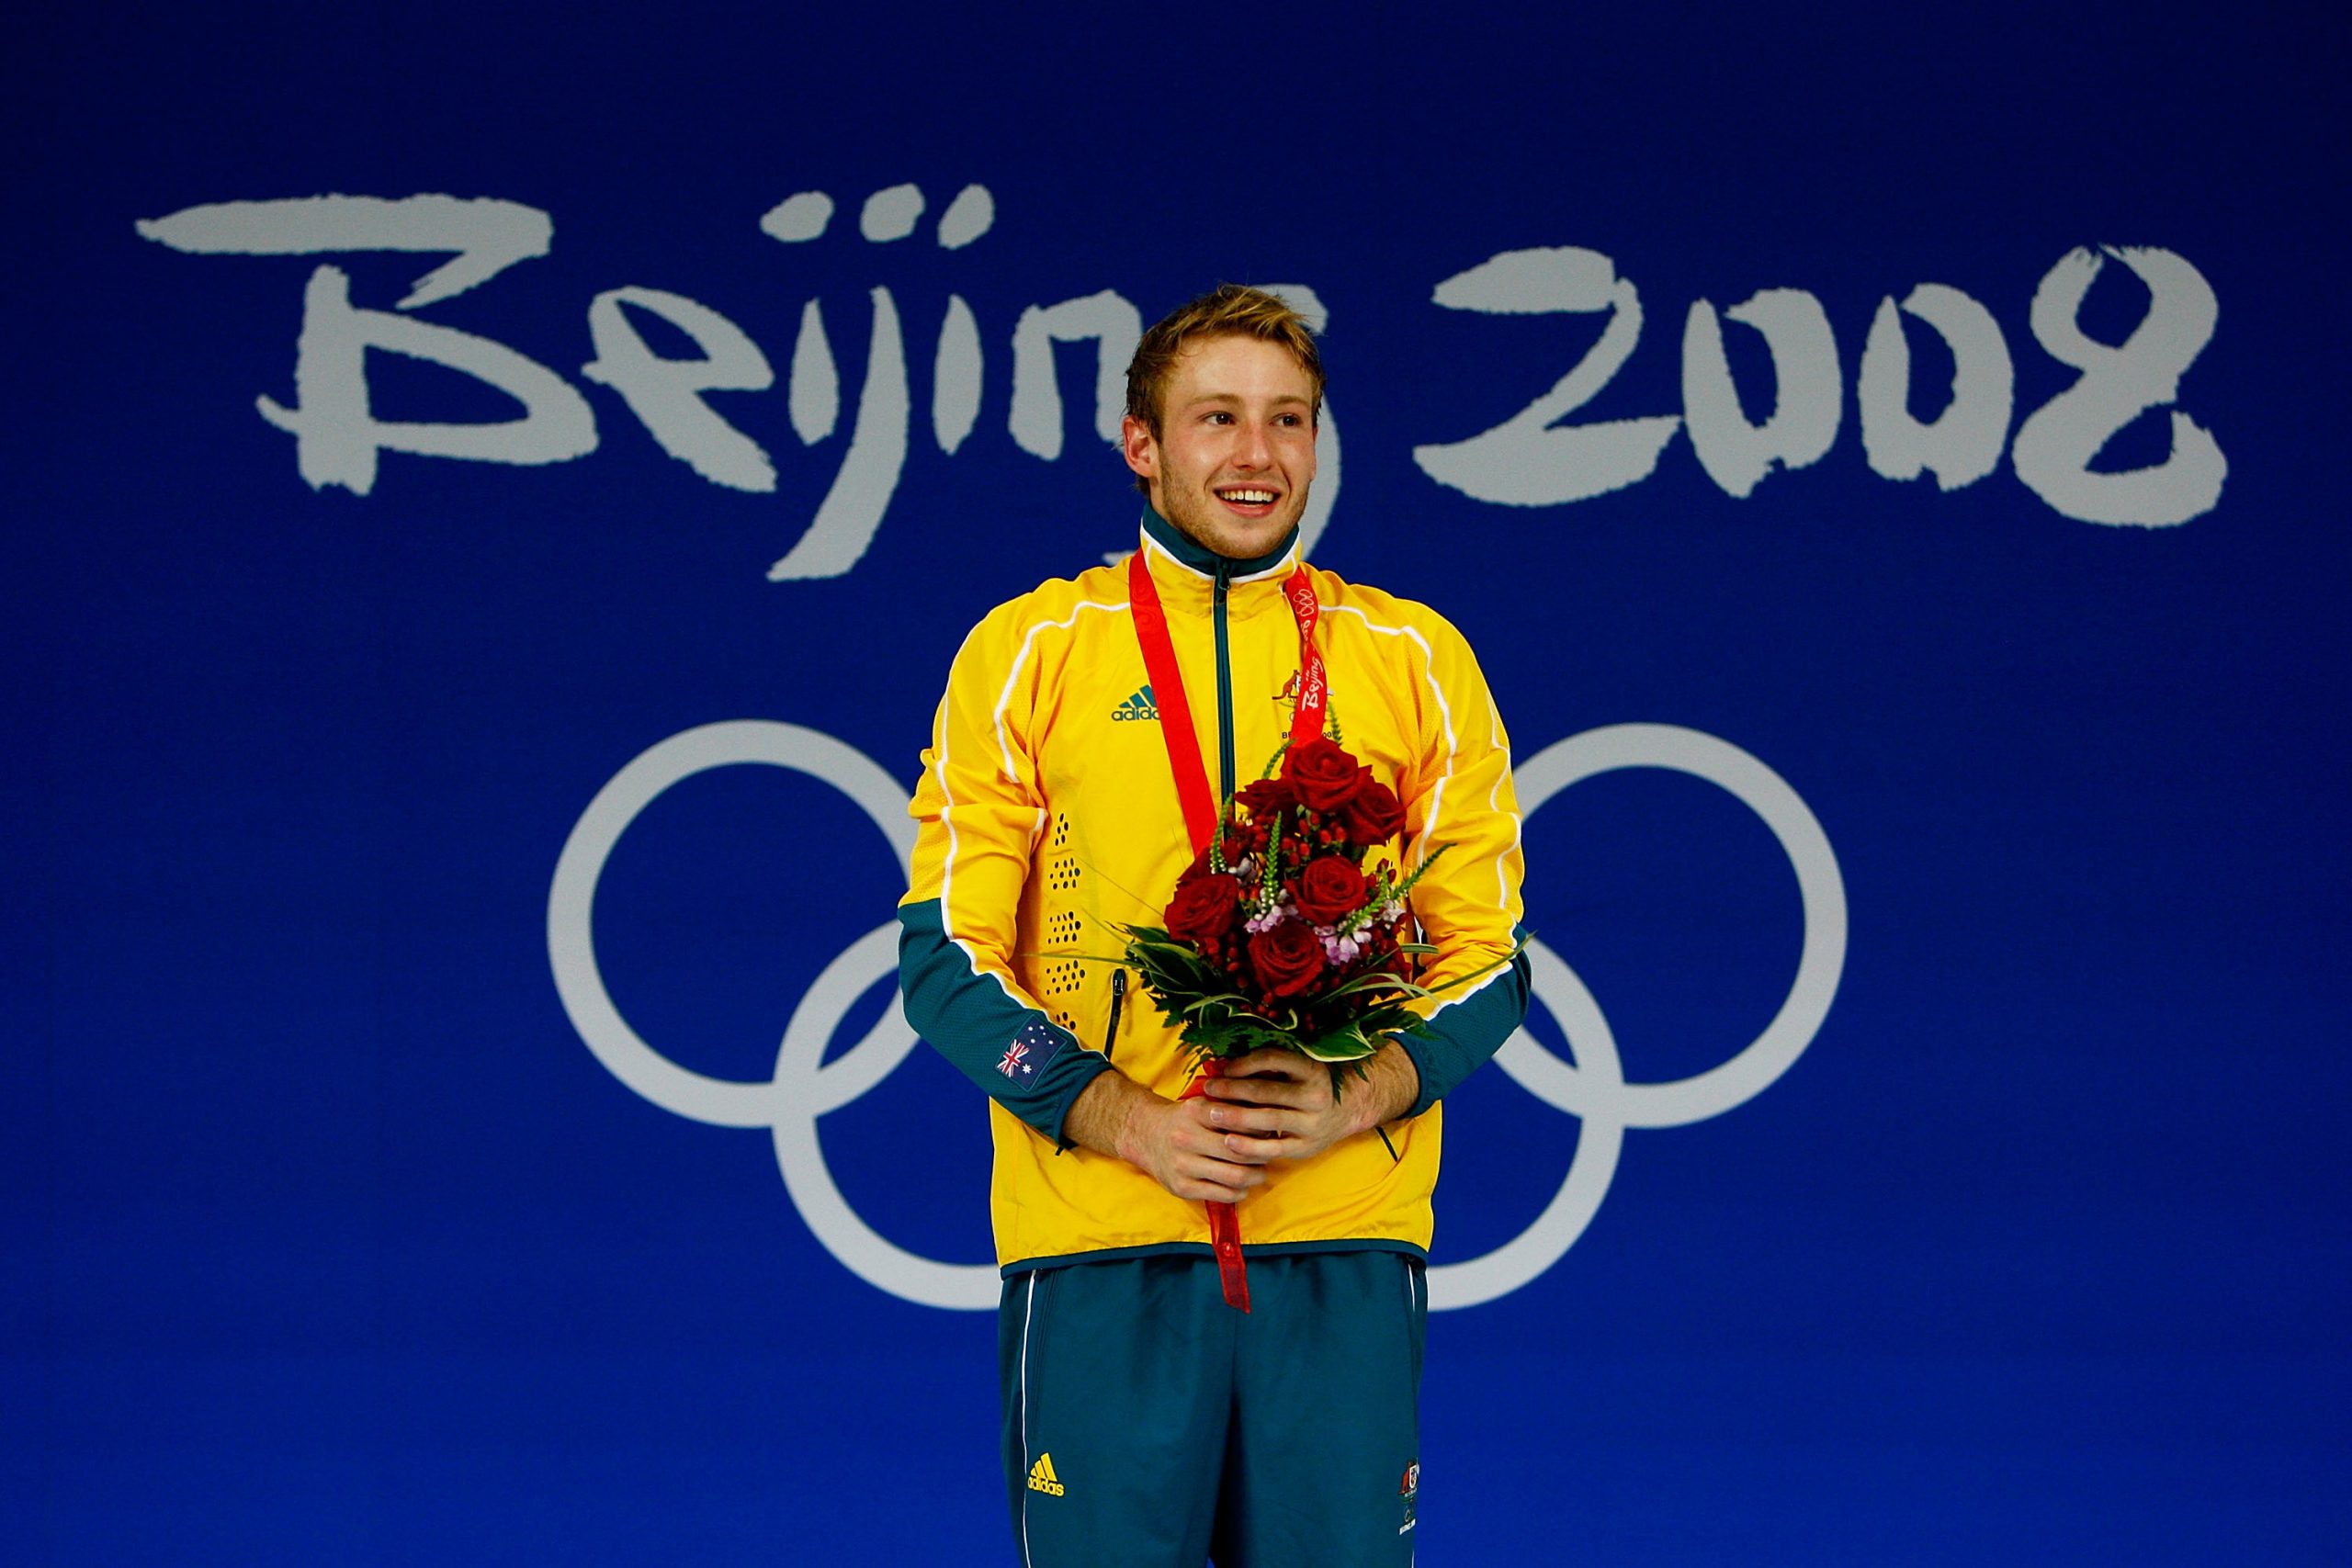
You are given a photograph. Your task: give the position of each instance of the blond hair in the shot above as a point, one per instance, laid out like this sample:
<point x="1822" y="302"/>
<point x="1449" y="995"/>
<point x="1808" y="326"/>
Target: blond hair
<point x="1230" y="309"/>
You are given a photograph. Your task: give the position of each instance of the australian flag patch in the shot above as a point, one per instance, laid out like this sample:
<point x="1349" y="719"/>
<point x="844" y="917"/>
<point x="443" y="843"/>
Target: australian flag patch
<point x="1030" y="1051"/>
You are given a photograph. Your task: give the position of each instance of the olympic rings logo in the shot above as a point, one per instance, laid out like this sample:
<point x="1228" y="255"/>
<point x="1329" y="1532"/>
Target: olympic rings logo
<point x="1592" y="1088"/>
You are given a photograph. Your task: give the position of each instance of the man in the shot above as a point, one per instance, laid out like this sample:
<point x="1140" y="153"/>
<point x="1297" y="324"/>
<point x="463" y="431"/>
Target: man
<point x="1148" y="1422"/>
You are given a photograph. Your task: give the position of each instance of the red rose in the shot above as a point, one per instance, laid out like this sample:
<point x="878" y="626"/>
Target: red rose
<point x="1288" y="958"/>
<point x="1330" y="889"/>
<point x="1267" y="796"/>
<point x="1325" y="776"/>
<point x="1371" y="814"/>
<point x="1205" y="907"/>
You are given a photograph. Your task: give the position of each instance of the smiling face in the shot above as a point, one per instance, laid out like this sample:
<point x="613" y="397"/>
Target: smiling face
<point x="1236" y="446"/>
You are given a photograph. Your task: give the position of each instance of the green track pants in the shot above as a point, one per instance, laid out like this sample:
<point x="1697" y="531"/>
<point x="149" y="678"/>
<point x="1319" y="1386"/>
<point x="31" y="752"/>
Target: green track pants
<point x="1147" y="1424"/>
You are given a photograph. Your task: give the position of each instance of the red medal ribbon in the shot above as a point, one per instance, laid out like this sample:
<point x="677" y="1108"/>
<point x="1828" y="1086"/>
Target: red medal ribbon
<point x="1314" y="689"/>
<point x="1225" y="1226"/>
<point x="1200" y="805"/>
<point x="1175" y="712"/>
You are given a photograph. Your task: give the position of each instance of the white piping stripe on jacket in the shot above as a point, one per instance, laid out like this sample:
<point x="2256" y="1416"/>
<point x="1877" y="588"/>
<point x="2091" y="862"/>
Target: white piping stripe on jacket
<point x="946" y="795"/>
<point x="1494" y="799"/>
<point x="1445" y="714"/>
<point x="1436" y="795"/>
<point x="1004" y="697"/>
<point x="948" y="866"/>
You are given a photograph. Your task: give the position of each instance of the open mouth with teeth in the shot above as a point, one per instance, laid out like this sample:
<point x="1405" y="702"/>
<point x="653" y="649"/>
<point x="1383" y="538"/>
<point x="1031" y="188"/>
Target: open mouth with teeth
<point x="1247" y="497"/>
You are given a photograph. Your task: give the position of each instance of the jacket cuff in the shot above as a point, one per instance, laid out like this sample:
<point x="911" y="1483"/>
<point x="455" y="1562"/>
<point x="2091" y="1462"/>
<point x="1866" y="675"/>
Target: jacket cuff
<point x="1459" y="1037"/>
<point x="1028" y="1064"/>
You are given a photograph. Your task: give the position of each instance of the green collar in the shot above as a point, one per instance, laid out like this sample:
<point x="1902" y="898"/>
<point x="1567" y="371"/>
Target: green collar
<point x="1203" y="559"/>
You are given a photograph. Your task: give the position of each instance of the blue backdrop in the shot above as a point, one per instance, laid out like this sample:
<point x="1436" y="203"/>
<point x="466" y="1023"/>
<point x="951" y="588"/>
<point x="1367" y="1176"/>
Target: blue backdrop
<point x="1889" y="464"/>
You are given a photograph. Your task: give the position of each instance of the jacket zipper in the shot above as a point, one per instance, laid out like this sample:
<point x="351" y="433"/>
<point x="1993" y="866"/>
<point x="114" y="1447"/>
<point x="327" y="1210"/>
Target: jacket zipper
<point x="1223" y="690"/>
<point x="1118" y="994"/>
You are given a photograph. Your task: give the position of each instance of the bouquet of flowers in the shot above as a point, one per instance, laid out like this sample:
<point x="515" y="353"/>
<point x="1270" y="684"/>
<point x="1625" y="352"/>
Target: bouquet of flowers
<point x="1279" y="933"/>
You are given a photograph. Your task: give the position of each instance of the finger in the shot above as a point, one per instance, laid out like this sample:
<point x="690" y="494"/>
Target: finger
<point x="1217" y="1180"/>
<point x="1267" y="1061"/>
<point x="1249" y="1150"/>
<point x="1203" y="1152"/>
<point x="1246" y="1085"/>
<point x="1279" y="1094"/>
<point x="1261" y="1151"/>
<point x="1244" y="1118"/>
<point x="1255" y="1150"/>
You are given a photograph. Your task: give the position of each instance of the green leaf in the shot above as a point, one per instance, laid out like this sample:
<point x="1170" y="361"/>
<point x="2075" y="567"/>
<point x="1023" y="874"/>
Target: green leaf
<point x="1345" y="1043"/>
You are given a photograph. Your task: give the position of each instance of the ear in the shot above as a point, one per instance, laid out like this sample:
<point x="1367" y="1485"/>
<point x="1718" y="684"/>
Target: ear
<point x="1139" y="446"/>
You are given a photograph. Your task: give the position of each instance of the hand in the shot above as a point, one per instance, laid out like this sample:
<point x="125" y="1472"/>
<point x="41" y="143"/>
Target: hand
<point x="1276" y="1104"/>
<point x="1171" y="1141"/>
<point x="1178" y="1144"/>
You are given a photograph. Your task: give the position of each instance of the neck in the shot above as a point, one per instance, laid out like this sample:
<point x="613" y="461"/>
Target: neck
<point x="1201" y="558"/>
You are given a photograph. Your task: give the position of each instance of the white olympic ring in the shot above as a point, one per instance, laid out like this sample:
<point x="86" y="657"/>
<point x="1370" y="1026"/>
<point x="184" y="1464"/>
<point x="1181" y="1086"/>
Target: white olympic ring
<point x="1594" y="1089"/>
<point x="805" y="1087"/>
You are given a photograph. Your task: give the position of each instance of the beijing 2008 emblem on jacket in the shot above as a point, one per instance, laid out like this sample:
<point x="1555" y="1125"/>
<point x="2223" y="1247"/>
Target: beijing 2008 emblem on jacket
<point x="1046" y="816"/>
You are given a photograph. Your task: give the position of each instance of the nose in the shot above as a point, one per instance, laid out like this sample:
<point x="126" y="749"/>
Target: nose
<point x="1250" y="448"/>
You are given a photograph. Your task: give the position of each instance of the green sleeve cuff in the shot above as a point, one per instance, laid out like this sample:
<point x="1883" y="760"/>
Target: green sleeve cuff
<point x="1031" y="1066"/>
<point x="1461" y="1035"/>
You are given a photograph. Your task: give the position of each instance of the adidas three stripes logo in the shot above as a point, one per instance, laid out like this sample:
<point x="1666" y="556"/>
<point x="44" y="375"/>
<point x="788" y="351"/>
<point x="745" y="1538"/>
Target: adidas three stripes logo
<point x="1140" y="708"/>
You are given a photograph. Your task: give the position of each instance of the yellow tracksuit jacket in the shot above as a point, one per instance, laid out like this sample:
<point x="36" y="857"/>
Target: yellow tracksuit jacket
<point x="1047" y="814"/>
